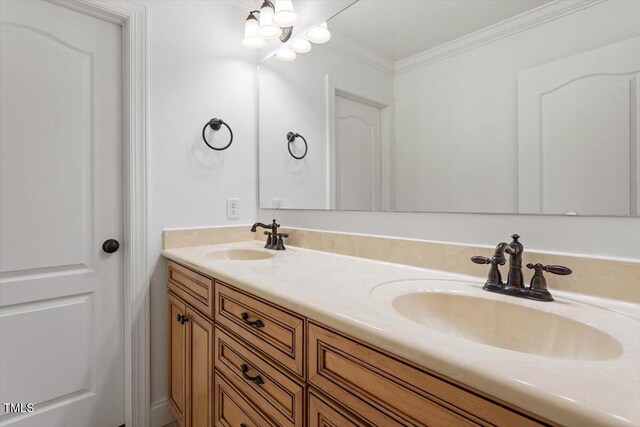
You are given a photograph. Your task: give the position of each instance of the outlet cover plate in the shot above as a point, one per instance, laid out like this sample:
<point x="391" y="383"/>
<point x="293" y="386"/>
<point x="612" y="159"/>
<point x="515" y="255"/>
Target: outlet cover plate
<point x="233" y="208"/>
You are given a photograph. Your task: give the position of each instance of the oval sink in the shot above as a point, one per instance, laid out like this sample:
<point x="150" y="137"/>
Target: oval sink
<point x="238" y="254"/>
<point x="505" y="325"/>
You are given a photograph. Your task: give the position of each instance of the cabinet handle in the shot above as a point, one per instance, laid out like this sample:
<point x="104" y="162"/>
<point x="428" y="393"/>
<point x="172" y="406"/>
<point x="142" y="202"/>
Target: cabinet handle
<point x="256" y="323"/>
<point x="257" y="379"/>
<point x="243" y="425"/>
<point x="182" y="319"/>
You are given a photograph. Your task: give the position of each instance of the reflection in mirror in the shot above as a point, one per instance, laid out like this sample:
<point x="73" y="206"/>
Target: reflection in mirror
<point x="496" y="106"/>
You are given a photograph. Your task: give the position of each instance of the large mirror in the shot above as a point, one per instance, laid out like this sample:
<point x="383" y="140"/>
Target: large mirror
<point x="495" y="106"/>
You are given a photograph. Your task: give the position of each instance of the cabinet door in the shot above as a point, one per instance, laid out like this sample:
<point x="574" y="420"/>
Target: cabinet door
<point x="177" y="359"/>
<point x="199" y="369"/>
<point x="324" y="413"/>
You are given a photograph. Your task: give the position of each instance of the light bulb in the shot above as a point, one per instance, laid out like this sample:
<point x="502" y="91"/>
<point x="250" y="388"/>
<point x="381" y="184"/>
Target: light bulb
<point x="252" y="40"/>
<point x="267" y="29"/>
<point x="285" y="15"/>
<point x="285" y="54"/>
<point x="319" y="34"/>
<point x="300" y="45"/>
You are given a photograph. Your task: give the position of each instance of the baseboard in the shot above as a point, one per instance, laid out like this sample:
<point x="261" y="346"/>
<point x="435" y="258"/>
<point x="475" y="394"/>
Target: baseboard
<point x="161" y="414"/>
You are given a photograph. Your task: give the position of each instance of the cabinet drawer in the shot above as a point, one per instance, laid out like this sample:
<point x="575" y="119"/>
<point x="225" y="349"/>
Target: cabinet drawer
<point x="324" y="413"/>
<point x="192" y="287"/>
<point x="359" y="376"/>
<point x="233" y="410"/>
<point x="271" y="390"/>
<point x="274" y="331"/>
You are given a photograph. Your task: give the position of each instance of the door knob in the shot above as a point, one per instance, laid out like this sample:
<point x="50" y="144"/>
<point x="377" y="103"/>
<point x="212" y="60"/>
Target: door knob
<point x="110" y="246"/>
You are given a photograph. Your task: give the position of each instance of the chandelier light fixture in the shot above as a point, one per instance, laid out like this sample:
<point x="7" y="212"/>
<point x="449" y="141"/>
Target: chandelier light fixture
<point x="268" y="29"/>
<point x="284" y="13"/>
<point x="300" y="45"/>
<point x="276" y="21"/>
<point x="286" y="54"/>
<point x="252" y="39"/>
<point x="319" y="34"/>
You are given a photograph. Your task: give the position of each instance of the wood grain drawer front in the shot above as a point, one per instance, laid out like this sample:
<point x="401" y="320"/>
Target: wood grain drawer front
<point x="274" y="331"/>
<point x="232" y="409"/>
<point x="194" y="288"/>
<point x="268" y="388"/>
<point x="408" y="395"/>
<point x="324" y="413"/>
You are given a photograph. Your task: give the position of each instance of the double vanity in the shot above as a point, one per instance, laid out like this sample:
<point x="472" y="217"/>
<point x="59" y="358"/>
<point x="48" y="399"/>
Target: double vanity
<point x="299" y="337"/>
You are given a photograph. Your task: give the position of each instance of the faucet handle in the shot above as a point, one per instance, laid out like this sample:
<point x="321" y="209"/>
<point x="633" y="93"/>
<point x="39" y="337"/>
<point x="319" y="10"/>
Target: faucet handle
<point x="554" y="269"/>
<point x="484" y="260"/>
<point x="494" y="278"/>
<point x="280" y="241"/>
<point x="558" y="269"/>
<point x="538" y="283"/>
<point x="480" y="260"/>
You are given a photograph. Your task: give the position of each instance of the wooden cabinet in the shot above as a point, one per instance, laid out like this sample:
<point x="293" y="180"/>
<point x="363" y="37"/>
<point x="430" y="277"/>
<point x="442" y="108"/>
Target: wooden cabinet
<point x="324" y="413"/>
<point x="199" y="369"/>
<point x="273" y="391"/>
<point x="239" y="360"/>
<point x="192" y="287"/>
<point x="177" y="340"/>
<point x="233" y="409"/>
<point x="275" y="331"/>
<point x="190" y="343"/>
<point x="386" y="390"/>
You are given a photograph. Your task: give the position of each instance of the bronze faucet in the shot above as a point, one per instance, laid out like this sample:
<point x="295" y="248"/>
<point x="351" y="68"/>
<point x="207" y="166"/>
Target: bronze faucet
<point x="275" y="240"/>
<point x="537" y="289"/>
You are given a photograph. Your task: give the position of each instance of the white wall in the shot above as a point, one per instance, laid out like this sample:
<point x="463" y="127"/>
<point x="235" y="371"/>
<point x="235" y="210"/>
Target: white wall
<point x="197" y="70"/>
<point x="293" y="98"/>
<point x="457" y="119"/>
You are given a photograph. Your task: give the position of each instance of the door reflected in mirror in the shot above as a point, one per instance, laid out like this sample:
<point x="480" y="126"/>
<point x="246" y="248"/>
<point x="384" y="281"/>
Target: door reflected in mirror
<point x="495" y="106"/>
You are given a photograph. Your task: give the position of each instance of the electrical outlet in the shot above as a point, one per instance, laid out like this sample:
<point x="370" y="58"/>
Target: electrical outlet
<point x="233" y="208"/>
<point x="277" y="203"/>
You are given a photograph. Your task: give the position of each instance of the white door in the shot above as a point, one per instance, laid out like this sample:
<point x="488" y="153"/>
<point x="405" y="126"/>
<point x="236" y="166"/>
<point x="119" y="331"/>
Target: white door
<point x="358" y="152"/>
<point x="578" y="130"/>
<point x="61" y="295"/>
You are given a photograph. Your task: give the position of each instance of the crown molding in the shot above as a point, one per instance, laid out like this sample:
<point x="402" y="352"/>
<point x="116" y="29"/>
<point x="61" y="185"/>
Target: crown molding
<point x="361" y="53"/>
<point x="508" y="27"/>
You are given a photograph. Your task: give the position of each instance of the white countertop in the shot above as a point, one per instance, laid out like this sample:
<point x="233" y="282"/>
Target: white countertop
<point x="336" y="290"/>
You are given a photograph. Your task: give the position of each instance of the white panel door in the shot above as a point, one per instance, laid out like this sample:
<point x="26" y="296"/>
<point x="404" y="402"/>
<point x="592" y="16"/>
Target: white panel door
<point x="61" y="328"/>
<point x="358" y="155"/>
<point x="579" y="120"/>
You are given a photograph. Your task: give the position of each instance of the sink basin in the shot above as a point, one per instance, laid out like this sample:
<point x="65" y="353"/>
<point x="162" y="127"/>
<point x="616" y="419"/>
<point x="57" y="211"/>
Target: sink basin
<point x="507" y="325"/>
<point x="238" y="254"/>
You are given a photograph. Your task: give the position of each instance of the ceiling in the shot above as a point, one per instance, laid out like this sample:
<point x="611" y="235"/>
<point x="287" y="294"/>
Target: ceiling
<point x="397" y="29"/>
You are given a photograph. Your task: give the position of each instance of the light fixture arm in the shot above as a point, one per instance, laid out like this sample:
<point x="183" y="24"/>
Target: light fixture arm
<point x="286" y="34"/>
<point x="286" y="31"/>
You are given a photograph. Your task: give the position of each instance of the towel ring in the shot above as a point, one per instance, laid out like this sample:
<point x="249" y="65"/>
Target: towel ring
<point x="216" y="124"/>
<point x="291" y="137"/>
